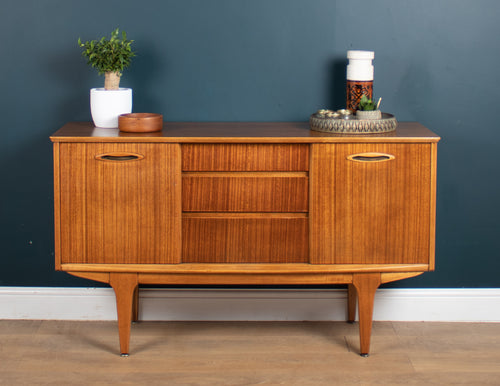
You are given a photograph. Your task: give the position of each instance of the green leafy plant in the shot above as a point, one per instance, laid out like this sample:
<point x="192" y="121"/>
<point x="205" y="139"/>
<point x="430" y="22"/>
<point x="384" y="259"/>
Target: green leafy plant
<point x="109" y="56"/>
<point x="366" y="104"/>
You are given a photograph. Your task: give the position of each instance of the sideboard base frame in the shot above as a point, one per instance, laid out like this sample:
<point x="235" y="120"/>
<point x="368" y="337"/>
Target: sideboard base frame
<point x="361" y="287"/>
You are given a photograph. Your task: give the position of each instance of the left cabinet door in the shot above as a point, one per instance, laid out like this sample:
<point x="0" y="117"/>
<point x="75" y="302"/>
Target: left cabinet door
<point x="119" y="203"/>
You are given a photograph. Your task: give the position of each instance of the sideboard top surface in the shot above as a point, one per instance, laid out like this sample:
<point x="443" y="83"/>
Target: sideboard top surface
<point x="238" y="132"/>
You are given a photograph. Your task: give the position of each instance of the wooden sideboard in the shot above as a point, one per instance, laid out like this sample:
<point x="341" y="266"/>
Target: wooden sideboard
<point x="244" y="204"/>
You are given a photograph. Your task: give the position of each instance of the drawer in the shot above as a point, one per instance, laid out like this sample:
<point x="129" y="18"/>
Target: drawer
<point x="244" y="239"/>
<point x="245" y="157"/>
<point x="245" y="192"/>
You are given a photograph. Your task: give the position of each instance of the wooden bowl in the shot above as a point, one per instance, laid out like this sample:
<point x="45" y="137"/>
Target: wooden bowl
<point x="140" y="122"/>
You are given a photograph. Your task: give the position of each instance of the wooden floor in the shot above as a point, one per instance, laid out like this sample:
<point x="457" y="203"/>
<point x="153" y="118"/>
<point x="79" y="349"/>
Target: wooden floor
<point x="248" y="353"/>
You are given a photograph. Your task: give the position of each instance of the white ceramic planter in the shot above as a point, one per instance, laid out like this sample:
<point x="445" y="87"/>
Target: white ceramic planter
<point x="107" y="105"/>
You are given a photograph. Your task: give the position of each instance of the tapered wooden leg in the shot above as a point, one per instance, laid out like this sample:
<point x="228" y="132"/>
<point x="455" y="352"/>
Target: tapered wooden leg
<point x="135" y="305"/>
<point x="124" y="285"/>
<point x="366" y="284"/>
<point x="351" y="303"/>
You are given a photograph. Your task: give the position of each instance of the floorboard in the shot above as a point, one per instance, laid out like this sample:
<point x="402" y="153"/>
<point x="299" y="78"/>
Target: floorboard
<point x="248" y="353"/>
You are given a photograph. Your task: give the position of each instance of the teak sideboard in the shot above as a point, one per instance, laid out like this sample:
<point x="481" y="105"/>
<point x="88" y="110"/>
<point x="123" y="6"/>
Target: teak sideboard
<point x="244" y="203"/>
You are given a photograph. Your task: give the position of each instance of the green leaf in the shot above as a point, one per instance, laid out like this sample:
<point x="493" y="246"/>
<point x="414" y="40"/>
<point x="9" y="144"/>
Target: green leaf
<point x="112" y="54"/>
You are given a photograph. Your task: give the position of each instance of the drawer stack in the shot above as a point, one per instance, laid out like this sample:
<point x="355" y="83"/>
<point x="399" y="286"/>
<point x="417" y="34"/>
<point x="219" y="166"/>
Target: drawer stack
<point x="245" y="203"/>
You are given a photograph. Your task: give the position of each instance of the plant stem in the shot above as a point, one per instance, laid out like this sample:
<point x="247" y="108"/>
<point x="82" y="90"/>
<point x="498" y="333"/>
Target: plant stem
<point x="111" y="80"/>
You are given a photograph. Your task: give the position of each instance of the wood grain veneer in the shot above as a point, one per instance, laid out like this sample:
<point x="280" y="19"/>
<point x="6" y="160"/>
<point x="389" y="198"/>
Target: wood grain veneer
<point x="245" y="157"/>
<point x="242" y="268"/>
<point x="119" y="211"/>
<point x="370" y="212"/>
<point x="240" y="132"/>
<point x="245" y="192"/>
<point x="244" y="239"/>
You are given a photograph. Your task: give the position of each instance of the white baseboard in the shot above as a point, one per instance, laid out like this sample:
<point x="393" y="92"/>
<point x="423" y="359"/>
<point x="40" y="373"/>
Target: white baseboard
<point x="460" y="305"/>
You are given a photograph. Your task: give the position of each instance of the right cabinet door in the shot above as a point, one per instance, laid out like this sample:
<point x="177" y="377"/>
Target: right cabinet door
<point x="371" y="203"/>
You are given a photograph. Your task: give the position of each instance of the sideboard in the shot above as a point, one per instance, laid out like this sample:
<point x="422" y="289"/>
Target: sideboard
<point x="244" y="203"/>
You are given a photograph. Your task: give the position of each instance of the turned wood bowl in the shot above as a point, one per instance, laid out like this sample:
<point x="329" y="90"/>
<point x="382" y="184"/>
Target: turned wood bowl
<point x="140" y="122"/>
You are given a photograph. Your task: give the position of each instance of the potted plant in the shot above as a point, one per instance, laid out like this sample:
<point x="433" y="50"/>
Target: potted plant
<point x="367" y="109"/>
<point x="109" y="57"/>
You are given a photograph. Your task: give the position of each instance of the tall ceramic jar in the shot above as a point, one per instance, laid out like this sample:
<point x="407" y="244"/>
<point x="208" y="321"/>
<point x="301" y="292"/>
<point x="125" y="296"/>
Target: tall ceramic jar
<point x="359" y="77"/>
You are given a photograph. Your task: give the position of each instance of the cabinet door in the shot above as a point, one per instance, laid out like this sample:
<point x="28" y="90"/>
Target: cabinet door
<point x="368" y="208"/>
<point x="120" y="203"/>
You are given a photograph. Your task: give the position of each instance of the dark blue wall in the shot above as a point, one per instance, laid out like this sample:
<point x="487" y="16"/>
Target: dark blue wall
<point x="436" y="62"/>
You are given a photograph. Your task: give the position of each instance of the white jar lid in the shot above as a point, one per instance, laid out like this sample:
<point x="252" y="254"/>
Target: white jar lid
<point x="363" y="55"/>
<point x="360" y="65"/>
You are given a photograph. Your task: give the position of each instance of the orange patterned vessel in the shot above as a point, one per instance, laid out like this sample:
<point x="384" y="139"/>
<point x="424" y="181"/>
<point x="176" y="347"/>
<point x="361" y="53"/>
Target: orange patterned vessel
<point x="355" y="90"/>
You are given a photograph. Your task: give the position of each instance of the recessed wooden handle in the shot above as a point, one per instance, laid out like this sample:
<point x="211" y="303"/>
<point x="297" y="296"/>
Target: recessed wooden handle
<point x="370" y="157"/>
<point x="119" y="157"/>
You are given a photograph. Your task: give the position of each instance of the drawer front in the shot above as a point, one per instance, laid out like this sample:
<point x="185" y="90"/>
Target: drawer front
<point x="245" y="192"/>
<point x="245" y="239"/>
<point x="245" y="157"/>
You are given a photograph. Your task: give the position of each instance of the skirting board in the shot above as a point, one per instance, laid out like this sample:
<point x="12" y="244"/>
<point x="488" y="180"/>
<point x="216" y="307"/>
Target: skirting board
<point x="460" y="305"/>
